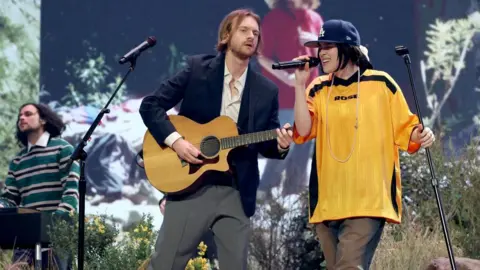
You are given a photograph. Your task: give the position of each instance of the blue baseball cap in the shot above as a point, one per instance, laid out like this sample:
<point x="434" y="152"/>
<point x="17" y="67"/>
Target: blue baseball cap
<point x="336" y="31"/>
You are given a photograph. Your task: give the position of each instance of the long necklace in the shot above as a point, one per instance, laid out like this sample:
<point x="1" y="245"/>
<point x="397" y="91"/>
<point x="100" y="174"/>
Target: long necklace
<point x="356" y="122"/>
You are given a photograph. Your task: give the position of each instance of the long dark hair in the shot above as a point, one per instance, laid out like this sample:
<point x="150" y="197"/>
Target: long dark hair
<point x="53" y="123"/>
<point x="352" y="53"/>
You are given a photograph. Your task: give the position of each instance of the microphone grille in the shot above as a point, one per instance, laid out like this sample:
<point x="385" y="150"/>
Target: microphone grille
<point x="151" y="40"/>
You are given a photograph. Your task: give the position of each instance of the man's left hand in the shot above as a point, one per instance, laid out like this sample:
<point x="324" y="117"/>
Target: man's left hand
<point x="423" y="136"/>
<point x="284" y="136"/>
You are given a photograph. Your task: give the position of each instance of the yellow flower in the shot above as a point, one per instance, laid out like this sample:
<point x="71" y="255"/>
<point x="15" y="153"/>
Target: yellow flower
<point x="136" y="230"/>
<point x="97" y="221"/>
<point x="144" y="228"/>
<point x="202" y="248"/>
<point x="100" y="228"/>
<point x="190" y="265"/>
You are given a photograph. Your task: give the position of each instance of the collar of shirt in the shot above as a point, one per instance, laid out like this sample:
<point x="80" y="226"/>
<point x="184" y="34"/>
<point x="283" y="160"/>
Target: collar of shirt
<point x="42" y="141"/>
<point x="240" y="83"/>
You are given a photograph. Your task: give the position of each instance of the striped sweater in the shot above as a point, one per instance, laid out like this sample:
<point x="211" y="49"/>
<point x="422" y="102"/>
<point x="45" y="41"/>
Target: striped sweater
<point x="38" y="179"/>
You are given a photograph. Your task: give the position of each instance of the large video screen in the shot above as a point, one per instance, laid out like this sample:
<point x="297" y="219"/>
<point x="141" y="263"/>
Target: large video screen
<point x="65" y="54"/>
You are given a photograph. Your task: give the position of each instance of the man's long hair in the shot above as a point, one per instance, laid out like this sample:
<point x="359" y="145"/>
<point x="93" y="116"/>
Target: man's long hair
<point x="230" y="23"/>
<point x="53" y="123"/>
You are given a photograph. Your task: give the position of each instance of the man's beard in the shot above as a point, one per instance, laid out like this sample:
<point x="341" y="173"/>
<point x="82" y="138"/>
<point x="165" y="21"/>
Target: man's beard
<point x="29" y="131"/>
<point x="238" y="53"/>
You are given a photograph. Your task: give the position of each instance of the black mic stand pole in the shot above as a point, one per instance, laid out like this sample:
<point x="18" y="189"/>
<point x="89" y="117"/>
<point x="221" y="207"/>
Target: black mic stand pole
<point x="81" y="155"/>
<point x="403" y="52"/>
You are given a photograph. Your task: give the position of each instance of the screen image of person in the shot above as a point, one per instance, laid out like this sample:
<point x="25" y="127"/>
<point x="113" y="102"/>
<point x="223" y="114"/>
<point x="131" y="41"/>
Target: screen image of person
<point x="285" y="28"/>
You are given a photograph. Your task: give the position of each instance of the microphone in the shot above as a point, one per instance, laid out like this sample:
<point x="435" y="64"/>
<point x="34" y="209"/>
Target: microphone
<point x="313" y="61"/>
<point x="135" y="52"/>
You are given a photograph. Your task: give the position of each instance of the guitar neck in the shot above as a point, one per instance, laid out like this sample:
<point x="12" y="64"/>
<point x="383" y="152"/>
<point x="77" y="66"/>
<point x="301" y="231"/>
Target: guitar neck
<point x="250" y="138"/>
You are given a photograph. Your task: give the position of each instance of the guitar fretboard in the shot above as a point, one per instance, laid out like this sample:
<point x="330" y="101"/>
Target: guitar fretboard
<point x="251" y="138"/>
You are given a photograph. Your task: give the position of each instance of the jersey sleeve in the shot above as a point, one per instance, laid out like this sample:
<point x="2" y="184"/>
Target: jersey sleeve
<point x="403" y="120"/>
<point x="314" y="115"/>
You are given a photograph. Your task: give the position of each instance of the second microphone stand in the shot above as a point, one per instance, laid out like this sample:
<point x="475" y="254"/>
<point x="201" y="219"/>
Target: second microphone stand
<point x="403" y="52"/>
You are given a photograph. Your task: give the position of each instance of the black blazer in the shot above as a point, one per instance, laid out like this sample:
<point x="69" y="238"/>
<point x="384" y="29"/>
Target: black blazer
<point x="200" y="86"/>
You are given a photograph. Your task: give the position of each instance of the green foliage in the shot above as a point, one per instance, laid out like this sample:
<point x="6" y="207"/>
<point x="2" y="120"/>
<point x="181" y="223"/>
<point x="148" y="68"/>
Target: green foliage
<point x="98" y="236"/>
<point x="458" y="176"/>
<point x="135" y="247"/>
<point x="19" y="70"/>
<point x="105" y="248"/>
<point x="420" y="233"/>
<point x="302" y="247"/>
<point x="447" y="45"/>
<point x="282" y="237"/>
<point x="459" y="186"/>
<point x="446" y="41"/>
<point x="89" y="81"/>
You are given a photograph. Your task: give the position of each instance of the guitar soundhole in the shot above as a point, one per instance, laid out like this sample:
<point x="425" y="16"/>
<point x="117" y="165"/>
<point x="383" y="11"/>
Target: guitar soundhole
<point x="210" y="146"/>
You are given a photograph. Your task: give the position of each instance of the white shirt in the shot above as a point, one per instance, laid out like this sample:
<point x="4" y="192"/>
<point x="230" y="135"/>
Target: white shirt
<point x="230" y="105"/>
<point x="42" y="141"/>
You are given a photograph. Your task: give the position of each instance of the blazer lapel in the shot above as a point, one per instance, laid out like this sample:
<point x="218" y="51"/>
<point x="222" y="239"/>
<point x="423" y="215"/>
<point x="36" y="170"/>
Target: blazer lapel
<point x="215" y="76"/>
<point x="247" y="106"/>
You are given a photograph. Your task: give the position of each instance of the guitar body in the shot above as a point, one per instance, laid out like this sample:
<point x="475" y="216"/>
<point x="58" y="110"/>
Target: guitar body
<point x="168" y="173"/>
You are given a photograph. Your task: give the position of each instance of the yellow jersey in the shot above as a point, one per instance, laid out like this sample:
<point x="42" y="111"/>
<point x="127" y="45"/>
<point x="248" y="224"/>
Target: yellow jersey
<point x="356" y="162"/>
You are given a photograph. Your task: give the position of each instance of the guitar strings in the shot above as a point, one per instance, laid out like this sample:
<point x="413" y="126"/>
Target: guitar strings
<point x="222" y="141"/>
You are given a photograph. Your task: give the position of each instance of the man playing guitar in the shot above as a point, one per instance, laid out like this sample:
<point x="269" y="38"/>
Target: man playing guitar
<point x="210" y="86"/>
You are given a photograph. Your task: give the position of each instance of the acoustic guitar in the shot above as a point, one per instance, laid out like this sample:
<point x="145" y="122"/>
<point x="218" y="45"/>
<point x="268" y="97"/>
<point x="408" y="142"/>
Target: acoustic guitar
<point x="168" y="173"/>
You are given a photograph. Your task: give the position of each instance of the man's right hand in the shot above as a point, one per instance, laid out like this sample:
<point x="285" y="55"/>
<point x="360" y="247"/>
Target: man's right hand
<point x="186" y="151"/>
<point x="303" y="73"/>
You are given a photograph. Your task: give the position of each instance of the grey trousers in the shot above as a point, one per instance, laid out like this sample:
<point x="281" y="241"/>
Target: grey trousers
<point x="186" y="221"/>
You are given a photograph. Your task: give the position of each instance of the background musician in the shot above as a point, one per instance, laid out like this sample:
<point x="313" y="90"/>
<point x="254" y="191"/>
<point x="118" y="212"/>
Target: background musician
<point x="37" y="176"/>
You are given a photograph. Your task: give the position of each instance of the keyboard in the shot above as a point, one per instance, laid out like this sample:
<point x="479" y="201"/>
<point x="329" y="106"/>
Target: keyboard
<point x="24" y="228"/>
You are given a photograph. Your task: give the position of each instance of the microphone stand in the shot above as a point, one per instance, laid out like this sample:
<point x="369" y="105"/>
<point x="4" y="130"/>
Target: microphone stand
<point x="81" y="155"/>
<point x="403" y="52"/>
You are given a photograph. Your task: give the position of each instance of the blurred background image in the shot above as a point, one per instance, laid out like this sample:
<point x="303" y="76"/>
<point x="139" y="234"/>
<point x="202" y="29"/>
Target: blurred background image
<point x="65" y="54"/>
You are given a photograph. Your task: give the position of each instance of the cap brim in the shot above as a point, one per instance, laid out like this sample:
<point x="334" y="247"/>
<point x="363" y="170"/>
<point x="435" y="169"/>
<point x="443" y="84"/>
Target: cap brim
<point x="316" y="43"/>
